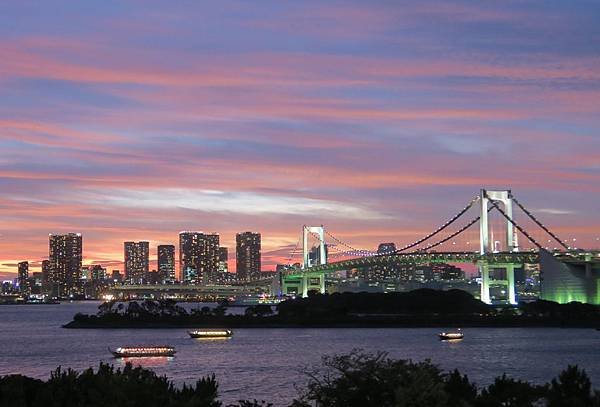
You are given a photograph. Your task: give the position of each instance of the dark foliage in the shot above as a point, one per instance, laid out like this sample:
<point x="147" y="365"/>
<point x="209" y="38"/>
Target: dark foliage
<point x="508" y="392"/>
<point x="363" y="379"/>
<point x="417" y="302"/>
<point x="253" y="403"/>
<point x="423" y="307"/>
<point x="551" y="309"/>
<point x="259" y="310"/>
<point x="461" y="392"/>
<point x="572" y="388"/>
<point x="105" y="387"/>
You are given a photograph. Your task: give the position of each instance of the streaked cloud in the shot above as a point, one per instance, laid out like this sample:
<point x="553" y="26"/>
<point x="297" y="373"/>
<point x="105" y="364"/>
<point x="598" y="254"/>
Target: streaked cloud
<point x="247" y="203"/>
<point x="553" y="211"/>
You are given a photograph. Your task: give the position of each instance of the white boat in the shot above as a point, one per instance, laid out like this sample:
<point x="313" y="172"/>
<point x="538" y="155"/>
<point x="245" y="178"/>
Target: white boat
<point x="451" y="336"/>
<point x="211" y="333"/>
<point x="142" y="351"/>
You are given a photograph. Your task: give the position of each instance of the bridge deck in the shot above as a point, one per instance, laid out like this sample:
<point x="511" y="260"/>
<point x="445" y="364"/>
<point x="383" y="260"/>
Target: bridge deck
<point x="575" y="257"/>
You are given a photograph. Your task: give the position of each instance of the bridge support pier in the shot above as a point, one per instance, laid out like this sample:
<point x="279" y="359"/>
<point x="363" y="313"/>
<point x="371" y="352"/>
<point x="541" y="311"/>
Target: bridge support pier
<point x="509" y="282"/>
<point x="309" y="280"/>
<point x="484" y="271"/>
<point x="301" y="285"/>
<point x="510" y="277"/>
<point x="304" y="286"/>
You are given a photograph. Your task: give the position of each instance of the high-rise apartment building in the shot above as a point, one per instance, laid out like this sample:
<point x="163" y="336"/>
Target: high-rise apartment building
<point x="136" y="261"/>
<point x="23" y="275"/>
<point x="166" y="262"/>
<point x="65" y="257"/>
<point x="223" y="258"/>
<point x="199" y="257"/>
<point x="247" y="256"/>
<point x="45" y="271"/>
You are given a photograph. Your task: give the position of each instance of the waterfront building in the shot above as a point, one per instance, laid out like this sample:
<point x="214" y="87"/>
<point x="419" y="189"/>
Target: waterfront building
<point x="444" y="271"/>
<point x="7" y="287"/>
<point x="223" y="258"/>
<point x="65" y="257"/>
<point x="199" y="257"/>
<point x="386" y="248"/>
<point x="46" y="276"/>
<point x="389" y="270"/>
<point x="37" y="278"/>
<point x="314" y="255"/>
<point x="22" y="276"/>
<point x="224" y="276"/>
<point x="563" y="283"/>
<point x="136" y="261"/>
<point x="45" y="271"/>
<point x="166" y="262"/>
<point x="97" y="273"/>
<point x="154" y="277"/>
<point x="85" y="273"/>
<point x="247" y="256"/>
<point x="116" y="276"/>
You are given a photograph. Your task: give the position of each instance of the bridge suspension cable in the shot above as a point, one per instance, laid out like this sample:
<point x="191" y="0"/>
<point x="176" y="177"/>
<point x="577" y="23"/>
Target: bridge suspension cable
<point x="441" y="228"/>
<point x="519" y="228"/>
<point x="347" y="245"/>
<point x="533" y="218"/>
<point x="468" y="225"/>
<point x="293" y="253"/>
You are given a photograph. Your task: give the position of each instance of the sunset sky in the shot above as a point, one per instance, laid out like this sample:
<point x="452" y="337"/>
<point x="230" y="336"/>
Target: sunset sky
<point x="134" y="120"/>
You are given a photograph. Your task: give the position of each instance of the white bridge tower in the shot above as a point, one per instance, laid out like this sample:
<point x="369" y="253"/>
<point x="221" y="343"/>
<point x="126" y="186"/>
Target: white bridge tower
<point x="313" y="281"/>
<point x="488" y="246"/>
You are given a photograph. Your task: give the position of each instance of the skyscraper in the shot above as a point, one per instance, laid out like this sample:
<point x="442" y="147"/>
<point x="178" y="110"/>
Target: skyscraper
<point x="136" y="261"/>
<point x="166" y="262"/>
<point x="23" y="275"/>
<point x="247" y="256"/>
<point x="45" y="271"/>
<point x="65" y="255"/>
<point x="223" y="258"/>
<point x="199" y="257"/>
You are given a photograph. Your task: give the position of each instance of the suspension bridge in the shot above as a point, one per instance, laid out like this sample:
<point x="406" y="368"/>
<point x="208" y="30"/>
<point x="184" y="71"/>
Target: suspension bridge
<point x="567" y="273"/>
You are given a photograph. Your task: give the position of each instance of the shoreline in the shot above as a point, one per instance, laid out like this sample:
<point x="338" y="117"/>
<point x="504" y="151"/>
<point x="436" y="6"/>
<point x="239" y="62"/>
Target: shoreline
<point x="364" y="324"/>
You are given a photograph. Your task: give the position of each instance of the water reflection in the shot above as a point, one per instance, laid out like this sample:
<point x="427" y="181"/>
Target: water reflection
<point x="214" y="339"/>
<point x="154" y="361"/>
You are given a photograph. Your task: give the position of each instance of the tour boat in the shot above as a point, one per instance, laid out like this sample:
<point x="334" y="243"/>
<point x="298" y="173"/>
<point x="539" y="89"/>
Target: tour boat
<point x="211" y="333"/>
<point x="142" y="351"/>
<point x="451" y="336"/>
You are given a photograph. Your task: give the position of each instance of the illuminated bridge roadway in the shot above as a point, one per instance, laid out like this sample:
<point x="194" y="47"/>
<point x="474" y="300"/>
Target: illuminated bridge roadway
<point x="500" y="258"/>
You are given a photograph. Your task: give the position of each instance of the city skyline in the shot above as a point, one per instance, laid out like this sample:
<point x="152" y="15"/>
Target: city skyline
<point x="151" y="250"/>
<point x="378" y="120"/>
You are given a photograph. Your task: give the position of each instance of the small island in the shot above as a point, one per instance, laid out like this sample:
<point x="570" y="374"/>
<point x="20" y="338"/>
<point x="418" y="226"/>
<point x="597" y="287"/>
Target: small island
<point x="419" y="308"/>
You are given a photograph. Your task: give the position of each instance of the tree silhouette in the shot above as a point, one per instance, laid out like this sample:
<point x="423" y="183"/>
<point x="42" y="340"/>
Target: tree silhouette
<point x="572" y="388"/>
